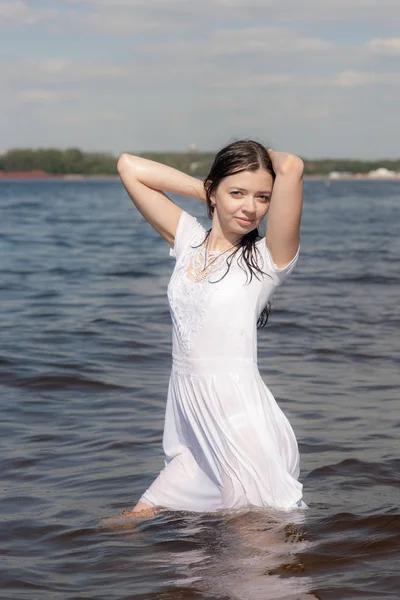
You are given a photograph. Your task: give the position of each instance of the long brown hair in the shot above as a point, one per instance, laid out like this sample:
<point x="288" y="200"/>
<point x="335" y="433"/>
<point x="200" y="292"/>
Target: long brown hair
<point x="240" y="155"/>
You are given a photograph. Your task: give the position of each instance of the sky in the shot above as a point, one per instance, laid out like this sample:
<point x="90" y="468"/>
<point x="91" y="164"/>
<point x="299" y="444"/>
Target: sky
<point x="317" y="78"/>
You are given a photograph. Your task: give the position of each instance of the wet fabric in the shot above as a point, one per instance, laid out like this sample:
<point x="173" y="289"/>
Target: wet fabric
<point x="226" y="441"/>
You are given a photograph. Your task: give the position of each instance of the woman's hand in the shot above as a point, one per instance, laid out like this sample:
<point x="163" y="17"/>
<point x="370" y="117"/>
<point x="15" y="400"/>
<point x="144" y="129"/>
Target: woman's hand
<point x="282" y="162"/>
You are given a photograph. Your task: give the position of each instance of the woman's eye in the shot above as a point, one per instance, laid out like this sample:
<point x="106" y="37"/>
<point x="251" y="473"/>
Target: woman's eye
<point x="265" y="198"/>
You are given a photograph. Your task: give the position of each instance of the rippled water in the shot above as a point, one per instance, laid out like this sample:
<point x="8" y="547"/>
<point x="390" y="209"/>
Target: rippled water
<point x="84" y="367"/>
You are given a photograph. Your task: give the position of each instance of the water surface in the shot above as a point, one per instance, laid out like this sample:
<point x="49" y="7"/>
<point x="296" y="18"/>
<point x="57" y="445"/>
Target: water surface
<point x="84" y="366"/>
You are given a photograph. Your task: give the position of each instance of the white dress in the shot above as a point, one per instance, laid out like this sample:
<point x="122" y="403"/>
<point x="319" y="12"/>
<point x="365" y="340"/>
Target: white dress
<point x="227" y="443"/>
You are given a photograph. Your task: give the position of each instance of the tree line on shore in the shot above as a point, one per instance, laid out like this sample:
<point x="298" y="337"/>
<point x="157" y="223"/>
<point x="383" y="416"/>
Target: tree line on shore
<point x="73" y="161"/>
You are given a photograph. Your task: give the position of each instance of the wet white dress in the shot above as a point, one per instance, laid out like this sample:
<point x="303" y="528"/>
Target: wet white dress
<point x="226" y="441"/>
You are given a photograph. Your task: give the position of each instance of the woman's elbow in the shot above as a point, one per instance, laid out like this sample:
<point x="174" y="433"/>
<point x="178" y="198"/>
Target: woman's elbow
<point x="123" y="162"/>
<point x="293" y="165"/>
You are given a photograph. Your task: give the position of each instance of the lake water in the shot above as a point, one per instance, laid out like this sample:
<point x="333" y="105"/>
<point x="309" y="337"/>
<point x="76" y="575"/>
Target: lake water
<point x="84" y="365"/>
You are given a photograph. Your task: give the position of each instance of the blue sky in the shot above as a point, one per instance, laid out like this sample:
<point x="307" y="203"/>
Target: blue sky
<point x="319" y="78"/>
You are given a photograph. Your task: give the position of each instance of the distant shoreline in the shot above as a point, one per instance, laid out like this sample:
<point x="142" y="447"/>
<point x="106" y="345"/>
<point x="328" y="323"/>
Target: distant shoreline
<point x="31" y="176"/>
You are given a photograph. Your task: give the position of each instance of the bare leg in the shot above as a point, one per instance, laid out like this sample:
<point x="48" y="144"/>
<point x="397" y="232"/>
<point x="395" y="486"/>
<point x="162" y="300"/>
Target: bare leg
<point x="141" y="510"/>
<point x="128" y="517"/>
<point x="256" y="530"/>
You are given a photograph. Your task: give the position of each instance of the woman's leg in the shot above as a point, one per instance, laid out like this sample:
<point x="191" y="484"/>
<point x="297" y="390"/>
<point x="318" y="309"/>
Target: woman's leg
<point x="127" y="518"/>
<point x="141" y="509"/>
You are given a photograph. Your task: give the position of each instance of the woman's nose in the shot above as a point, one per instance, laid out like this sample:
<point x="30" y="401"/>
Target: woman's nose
<point x="249" y="204"/>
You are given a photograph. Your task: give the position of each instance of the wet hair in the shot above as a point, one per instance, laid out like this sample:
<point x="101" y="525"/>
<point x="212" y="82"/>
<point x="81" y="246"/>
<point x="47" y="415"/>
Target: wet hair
<point x="238" y="156"/>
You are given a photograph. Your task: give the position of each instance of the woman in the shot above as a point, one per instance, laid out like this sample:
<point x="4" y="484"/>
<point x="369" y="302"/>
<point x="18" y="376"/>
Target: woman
<point x="227" y="443"/>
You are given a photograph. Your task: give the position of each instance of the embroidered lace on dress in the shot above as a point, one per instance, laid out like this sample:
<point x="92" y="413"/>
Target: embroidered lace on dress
<point x="191" y="289"/>
<point x="195" y="270"/>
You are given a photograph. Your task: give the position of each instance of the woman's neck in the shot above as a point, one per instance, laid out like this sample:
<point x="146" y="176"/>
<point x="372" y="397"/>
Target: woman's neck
<point x="219" y="241"/>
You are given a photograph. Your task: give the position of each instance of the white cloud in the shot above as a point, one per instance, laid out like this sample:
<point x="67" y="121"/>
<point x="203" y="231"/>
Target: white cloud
<point x="261" y="39"/>
<point x="341" y="79"/>
<point x="354" y="78"/>
<point x="208" y="12"/>
<point x="40" y="73"/>
<point x="256" y="81"/>
<point x="126" y="21"/>
<point x="254" y="40"/>
<point x="314" y="10"/>
<point x="117" y="3"/>
<point x="44" y="96"/>
<point x="317" y="112"/>
<point x="388" y="46"/>
<point x="18" y="13"/>
<point x="77" y="70"/>
<point x="56" y="65"/>
<point x="100" y="116"/>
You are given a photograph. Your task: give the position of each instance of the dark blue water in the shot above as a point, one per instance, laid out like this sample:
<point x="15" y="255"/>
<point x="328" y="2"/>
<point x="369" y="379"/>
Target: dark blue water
<point x="84" y="364"/>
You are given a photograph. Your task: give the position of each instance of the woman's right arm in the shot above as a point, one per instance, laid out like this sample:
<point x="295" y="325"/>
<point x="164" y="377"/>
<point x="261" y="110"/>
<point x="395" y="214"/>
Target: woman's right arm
<point x="146" y="181"/>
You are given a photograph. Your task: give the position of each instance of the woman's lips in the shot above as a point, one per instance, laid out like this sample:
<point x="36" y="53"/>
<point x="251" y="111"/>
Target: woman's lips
<point x="243" y="221"/>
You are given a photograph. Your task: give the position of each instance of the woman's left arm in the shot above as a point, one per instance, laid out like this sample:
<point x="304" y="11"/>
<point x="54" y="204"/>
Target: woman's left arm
<point x="284" y="213"/>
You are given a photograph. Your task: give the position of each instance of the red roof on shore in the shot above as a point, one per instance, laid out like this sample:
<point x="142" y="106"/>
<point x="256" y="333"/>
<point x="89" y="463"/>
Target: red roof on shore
<point x="37" y="174"/>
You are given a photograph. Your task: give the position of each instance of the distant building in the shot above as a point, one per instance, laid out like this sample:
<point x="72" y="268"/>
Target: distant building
<point x="383" y="173"/>
<point x="194" y="165"/>
<point x="340" y="174"/>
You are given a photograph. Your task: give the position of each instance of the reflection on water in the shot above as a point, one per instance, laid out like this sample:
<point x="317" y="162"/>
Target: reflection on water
<point x="242" y="554"/>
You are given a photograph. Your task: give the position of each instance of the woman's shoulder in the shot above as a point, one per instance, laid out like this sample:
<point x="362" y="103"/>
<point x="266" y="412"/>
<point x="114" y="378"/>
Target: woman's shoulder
<point x="189" y="230"/>
<point x="268" y="265"/>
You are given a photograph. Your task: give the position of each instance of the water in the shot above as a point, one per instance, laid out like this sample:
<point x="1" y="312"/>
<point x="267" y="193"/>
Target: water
<point x="84" y="367"/>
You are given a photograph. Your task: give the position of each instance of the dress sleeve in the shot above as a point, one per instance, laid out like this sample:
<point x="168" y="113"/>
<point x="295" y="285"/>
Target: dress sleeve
<point x="188" y="227"/>
<point x="278" y="274"/>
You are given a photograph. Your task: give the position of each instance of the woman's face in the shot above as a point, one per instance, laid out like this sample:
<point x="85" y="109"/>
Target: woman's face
<point x="242" y="200"/>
